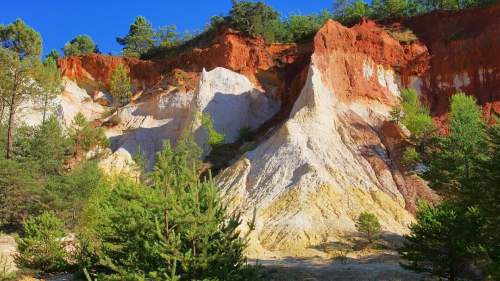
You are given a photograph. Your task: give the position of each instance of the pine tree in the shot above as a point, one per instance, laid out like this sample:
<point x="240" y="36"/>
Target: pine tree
<point x="140" y="38"/>
<point x="120" y="86"/>
<point x="20" y="48"/>
<point x="369" y="225"/>
<point x="80" y="45"/>
<point x="85" y="137"/>
<point x="460" y="152"/>
<point x="177" y="229"/>
<point x="41" y="247"/>
<point x="50" y="79"/>
<point x="442" y="240"/>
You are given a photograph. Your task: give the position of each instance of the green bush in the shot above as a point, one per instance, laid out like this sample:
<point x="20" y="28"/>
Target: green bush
<point x="410" y="158"/>
<point x="214" y="137"/>
<point x="85" y="137"/>
<point x="41" y="248"/>
<point x="368" y="224"/>
<point x="176" y="229"/>
<point x="416" y="116"/>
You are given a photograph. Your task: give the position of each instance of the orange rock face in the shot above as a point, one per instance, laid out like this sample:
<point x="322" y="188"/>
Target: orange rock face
<point x="231" y="50"/>
<point x="462" y="56"/>
<point x="95" y="70"/>
<point x="356" y="51"/>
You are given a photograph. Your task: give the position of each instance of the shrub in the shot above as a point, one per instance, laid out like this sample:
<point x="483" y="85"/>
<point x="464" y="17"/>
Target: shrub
<point x="410" y="158"/>
<point x="369" y="225"/>
<point x="115" y="120"/>
<point x="41" y="248"/>
<point x="177" y="229"/>
<point x="416" y="116"/>
<point x="214" y="137"/>
<point x="405" y="36"/>
<point x="85" y="137"/>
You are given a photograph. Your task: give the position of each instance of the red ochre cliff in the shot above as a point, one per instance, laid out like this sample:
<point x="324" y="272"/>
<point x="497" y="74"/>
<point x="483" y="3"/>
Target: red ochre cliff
<point x="462" y="56"/>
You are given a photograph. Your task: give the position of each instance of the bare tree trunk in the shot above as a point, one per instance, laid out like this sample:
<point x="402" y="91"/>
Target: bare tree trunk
<point x="2" y="110"/>
<point x="45" y="105"/>
<point x="10" y="127"/>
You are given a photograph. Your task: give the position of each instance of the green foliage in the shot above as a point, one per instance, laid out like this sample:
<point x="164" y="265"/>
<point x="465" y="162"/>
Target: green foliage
<point x="80" y="45"/>
<point x="352" y="13"/>
<point x="440" y="242"/>
<point x="19" y="184"/>
<point x="85" y="137"/>
<point x="383" y="9"/>
<point x="298" y="28"/>
<point x="49" y="77"/>
<point x="255" y="18"/>
<point x="416" y="116"/>
<point x="54" y="54"/>
<point x="214" y="137"/>
<point x="176" y="229"/>
<point x="457" y="154"/>
<point x="41" y="247"/>
<point x="46" y="146"/>
<point x="21" y="39"/>
<point x="369" y="225"/>
<point x="20" y="48"/>
<point x="37" y="178"/>
<point x="120" y="85"/>
<point x="67" y="195"/>
<point x="140" y="38"/>
<point x="167" y="36"/>
<point x="410" y="158"/>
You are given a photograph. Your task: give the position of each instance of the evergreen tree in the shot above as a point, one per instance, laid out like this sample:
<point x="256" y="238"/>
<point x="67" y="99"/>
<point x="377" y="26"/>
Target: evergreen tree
<point x="50" y="79"/>
<point x="85" y="137"/>
<point x="45" y="146"/>
<point x="19" y="65"/>
<point x="442" y="241"/>
<point x="80" y="45"/>
<point x="176" y="229"/>
<point x="167" y="36"/>
<point x="369" y="225"/>
<point x="140" y="38"/>
<point x="54" y="54"/>
<point x="460" y="152"/>
<point x="120" y="86"/>
<point x="256" y="18"/>
<point x="41" y="247"/>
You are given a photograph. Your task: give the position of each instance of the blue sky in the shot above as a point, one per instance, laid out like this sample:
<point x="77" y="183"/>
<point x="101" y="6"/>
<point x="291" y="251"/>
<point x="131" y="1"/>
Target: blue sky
<point x="60" y="20"/>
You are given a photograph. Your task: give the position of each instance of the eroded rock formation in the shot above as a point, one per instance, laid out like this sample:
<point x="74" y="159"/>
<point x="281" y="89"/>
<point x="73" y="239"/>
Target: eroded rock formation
<point x="326" y="151"/>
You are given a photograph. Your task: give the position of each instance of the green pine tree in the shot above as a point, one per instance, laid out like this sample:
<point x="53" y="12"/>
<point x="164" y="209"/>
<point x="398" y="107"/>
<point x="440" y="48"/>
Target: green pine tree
<point x="140" y="38"/>
<point x="177" y="229"/>
<point x="80" y="45"/>
<point x="120" y="86"/>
